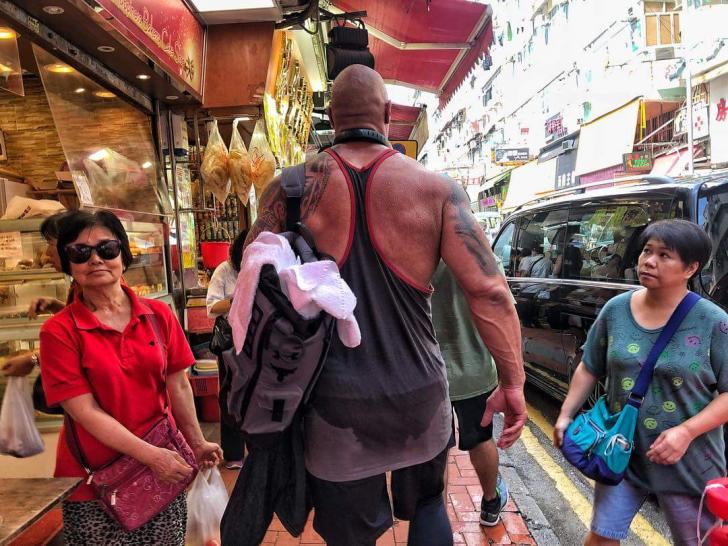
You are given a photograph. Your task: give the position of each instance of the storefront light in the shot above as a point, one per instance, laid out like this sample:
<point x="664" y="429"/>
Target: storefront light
<point x="4" y="69"/>
<point x="143" y="76"/>
<point x="98" y="156"/>
<point x="146" y="164"/>
<point x="232" y="5"/>
<point x="6" y="33"/>
<point x="104" y="94"/>
<point x="59" y="68"/>
<point x="53" y="10"/>
<point x="80" y="90"/>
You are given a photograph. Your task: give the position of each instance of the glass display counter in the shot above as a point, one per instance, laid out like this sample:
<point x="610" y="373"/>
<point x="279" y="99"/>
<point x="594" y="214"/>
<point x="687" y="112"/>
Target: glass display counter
<point x="147" y="275"/>
<point x="26" y="272"/>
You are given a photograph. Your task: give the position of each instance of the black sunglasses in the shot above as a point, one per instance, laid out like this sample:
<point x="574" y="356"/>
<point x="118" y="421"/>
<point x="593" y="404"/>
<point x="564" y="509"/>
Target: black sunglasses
<point x="106" y="250"/>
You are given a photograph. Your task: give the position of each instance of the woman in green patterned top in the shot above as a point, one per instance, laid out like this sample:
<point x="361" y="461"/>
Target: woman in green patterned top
<point x="678" y="444"/>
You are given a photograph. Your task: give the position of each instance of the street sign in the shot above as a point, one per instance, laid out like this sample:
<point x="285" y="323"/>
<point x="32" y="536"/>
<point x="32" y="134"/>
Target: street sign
<point x="511" y="156"/>
<point x="406" y="147"/>
<point x="637" y="162"/>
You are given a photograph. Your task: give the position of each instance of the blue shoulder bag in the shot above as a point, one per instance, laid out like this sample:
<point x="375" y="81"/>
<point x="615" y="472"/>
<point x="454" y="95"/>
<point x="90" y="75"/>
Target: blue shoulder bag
<point x="599" y="443"/>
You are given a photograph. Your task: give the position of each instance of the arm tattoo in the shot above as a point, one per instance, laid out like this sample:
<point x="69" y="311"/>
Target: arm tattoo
<point x="272" y="212"/>
<point x="318" y="174"/>
<point x="466" y="227"/>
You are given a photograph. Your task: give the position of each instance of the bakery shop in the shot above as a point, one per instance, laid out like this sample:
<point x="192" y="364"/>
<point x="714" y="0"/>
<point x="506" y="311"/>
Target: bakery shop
<point x="143" y="108"/>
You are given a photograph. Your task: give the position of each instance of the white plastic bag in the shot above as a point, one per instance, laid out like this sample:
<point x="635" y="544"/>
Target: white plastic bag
<point x="214" y="169"/>
<point x="19" y="436"/>
<point x="206" y="502"/>
<point x="24" y="207"/>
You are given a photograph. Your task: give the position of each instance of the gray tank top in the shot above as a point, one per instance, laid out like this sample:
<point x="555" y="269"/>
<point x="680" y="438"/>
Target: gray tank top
<point x="383" y="405"/>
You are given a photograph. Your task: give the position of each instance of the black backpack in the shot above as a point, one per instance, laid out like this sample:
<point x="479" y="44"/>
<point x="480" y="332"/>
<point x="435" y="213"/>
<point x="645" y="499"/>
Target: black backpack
<point x="283" y="353"/>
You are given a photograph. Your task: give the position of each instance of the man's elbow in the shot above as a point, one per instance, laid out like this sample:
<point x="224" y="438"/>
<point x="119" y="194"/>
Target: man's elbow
<point x="494" y="293"/>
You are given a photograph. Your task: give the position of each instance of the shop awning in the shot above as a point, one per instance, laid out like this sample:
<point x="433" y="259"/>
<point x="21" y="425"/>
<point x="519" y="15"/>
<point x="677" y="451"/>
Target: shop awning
<point x="676" y="163"/>
<point x="528" y="182"/>
<point x="426" y="45"/>
<point x="602" y="142"/>
<point x="492" y="181"/>
<point x="403" y="121"/>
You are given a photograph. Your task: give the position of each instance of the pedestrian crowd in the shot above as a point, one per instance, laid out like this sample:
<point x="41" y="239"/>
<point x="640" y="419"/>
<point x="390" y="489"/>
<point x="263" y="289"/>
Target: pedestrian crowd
<point x="439" y="332"/>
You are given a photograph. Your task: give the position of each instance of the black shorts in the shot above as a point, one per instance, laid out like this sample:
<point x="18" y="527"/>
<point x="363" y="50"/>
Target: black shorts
<point x="470" y="413"/>
<point x="358" y="512"/>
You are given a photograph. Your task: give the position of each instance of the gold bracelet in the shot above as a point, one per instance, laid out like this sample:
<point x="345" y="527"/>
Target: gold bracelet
<point x="35" y="359"/>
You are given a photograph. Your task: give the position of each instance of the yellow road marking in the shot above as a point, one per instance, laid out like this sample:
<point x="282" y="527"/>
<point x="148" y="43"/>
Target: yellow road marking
<point x="579" y="503"/>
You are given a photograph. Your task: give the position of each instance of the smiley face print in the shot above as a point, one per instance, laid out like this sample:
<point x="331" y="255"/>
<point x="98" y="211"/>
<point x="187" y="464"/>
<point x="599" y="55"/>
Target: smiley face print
<point x="692" y="341"/>
<point x="627" y="383"/>
<point x="669" y="406"/>
<point x="650" y="423"/>
<point x="677" y="382"/>
<point x="633" y="348"/>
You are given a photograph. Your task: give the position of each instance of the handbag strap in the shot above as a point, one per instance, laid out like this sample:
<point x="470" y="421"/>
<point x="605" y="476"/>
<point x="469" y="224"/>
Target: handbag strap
<point x="74" y="444"/>
<point x="637" y="395"/>
<point x="293" y="180"/>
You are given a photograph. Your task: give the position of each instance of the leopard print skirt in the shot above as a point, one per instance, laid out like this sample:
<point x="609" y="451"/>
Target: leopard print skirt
<point x="86" y="524"/>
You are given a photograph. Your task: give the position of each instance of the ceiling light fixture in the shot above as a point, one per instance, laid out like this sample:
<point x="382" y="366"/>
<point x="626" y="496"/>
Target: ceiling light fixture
<point x="4" y="69"/>
<point x="232" y="5"/>
<point x="146" y="164"/>
<point x="143" y="76"/>
<point x="104" y="94"/>
<point x="106" y="49"/>
<point x="53" y="10"/>
<point x="59" y="68"/>
<point x="6" y="33"/>
<point x="171" y="97"/>
<point x="80" y="90"/>
<point x="98" y="156"/>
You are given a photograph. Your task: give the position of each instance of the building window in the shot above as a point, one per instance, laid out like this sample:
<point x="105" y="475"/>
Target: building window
<point x="487" y="95"/>
<point x="662" y="22"/>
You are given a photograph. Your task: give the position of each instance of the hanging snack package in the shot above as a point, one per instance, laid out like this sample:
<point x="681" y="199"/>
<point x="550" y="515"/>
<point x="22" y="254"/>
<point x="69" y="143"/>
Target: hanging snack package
<point x="215" y="169"/>
<point x="239" y="164"/>
<point x="262" y="160"/>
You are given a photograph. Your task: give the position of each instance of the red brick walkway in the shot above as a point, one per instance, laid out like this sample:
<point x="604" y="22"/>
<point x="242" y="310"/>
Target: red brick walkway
<point x="463" y="507"/>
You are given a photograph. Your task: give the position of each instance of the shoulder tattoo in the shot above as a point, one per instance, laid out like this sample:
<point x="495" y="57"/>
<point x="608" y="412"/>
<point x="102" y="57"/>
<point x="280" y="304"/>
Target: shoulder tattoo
<point x="467" y="229"/>
<point x="318" y="174"/>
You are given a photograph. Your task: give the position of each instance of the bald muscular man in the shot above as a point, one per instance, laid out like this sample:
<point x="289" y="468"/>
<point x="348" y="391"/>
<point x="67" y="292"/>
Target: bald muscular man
<point x="384" y="406"/>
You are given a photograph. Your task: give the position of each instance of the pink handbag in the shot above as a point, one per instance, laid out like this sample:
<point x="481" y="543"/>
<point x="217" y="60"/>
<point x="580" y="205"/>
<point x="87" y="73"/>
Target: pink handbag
<point x="127" y="489"/>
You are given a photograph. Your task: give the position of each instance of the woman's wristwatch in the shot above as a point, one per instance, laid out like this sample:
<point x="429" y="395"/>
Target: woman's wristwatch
<point x="35" y="359"/>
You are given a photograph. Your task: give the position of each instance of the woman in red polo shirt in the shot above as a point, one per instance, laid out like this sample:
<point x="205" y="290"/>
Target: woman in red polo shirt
<point x="100" y="363"/>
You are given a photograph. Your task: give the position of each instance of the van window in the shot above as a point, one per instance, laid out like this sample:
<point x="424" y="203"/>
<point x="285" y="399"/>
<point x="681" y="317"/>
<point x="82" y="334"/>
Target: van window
<point x="713" y="217"/>
<point x="539" y="242"/>
<point x="502" y="248"/>
<point x="602" y="241"/>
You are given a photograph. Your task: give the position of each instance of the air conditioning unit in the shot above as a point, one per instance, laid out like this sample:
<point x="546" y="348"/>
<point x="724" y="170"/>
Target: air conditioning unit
<point x="664" y="53"/>
<point x="567" y="145"/>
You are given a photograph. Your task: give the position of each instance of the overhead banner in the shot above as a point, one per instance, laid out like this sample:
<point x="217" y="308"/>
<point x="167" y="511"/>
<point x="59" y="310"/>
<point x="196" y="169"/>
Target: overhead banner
<point x="406" y="147"/>
<point x="719" y="120"/>
<point x="167" y="30"/>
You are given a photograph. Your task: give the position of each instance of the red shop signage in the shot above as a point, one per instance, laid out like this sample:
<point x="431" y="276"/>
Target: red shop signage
<point x="169" y="32"/>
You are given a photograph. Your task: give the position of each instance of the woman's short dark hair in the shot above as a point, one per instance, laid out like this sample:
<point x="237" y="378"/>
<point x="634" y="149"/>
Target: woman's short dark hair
<point x="73" y="223"/>
<point x="690" y="242"/>
<point x="49" y="226"/>
<point x="236" y="249"/>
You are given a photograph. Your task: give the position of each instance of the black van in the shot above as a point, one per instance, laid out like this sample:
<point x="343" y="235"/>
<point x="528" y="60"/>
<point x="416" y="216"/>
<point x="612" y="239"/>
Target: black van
<point x="565" y="257"/>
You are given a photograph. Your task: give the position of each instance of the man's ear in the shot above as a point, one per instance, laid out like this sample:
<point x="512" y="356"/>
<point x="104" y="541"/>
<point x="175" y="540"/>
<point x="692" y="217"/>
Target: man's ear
<point x="388" y="112"/>
<point x="331" y="118"/>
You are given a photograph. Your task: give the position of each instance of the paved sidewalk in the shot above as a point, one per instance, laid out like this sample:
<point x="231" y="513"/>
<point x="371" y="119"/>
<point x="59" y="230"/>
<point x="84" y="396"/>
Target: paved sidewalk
<point x="463" y="507"/>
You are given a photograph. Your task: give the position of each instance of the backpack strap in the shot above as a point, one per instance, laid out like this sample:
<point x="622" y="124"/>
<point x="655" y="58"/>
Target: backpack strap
<point x="637" y="396"/>
<point x="293" y="179"/>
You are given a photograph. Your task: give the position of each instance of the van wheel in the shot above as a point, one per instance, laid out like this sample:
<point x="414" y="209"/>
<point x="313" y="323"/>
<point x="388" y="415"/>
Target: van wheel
<point x="598" y="391"/>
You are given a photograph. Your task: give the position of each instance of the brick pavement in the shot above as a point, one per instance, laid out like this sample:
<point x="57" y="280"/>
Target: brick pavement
<point x="463" y="507"/>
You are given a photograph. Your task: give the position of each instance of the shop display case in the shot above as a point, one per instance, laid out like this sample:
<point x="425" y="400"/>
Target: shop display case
<point x="25" y="273"/>
<point x="147" y="275"/>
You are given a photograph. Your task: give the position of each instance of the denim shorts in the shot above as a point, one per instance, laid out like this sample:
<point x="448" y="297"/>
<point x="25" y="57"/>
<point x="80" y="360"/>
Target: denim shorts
<point x="616" y="506"/>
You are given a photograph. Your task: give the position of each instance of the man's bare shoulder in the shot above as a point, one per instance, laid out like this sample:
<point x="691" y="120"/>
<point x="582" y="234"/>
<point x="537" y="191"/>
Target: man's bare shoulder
<point x="415" y="172"/>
